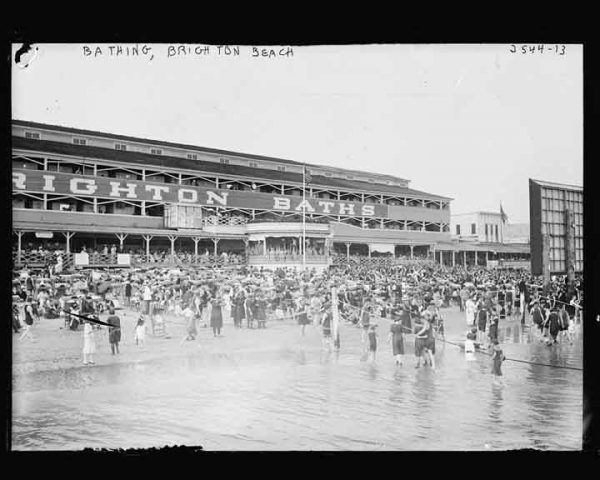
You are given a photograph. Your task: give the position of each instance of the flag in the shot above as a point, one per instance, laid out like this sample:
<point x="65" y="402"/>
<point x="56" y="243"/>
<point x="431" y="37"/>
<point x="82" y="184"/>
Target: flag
<point x="307" y="176"/>
<point x="503" y="214"/>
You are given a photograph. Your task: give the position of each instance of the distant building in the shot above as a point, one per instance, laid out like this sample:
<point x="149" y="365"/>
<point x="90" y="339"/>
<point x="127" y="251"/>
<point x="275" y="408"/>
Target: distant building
<point x="503" y="245"/>
<point x="550" y="205"/>
<point x="478" y="227"/>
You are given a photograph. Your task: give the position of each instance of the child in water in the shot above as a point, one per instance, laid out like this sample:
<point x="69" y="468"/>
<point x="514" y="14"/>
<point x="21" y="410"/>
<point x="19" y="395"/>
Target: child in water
<point x="470" y="347"/>
<point x="140" y="331"/>
<point x="372" y="335"/>
<point x="497" y="359"/>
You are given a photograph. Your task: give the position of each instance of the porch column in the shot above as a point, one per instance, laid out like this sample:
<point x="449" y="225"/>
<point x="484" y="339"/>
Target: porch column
<point x="486" y="258"/>
<point x="265" y="246"/>
<point x="196" y="240"/>
<point x="147" y="238"/>
<point x="348" y="250"/>
<point x="441" y="257"/>
<point x="172" y="238"/>
<point x="475" y="257"/>
<point x="465" y="258"/>
<point x="369" y="245"/>
<point x="453" y="258"/>
<point x="121" y="237"/>
<point x="412" y="251"/>
<point x="68" y="236"/>
<point x="216" y="242"/>
<point x="19" y="235"/>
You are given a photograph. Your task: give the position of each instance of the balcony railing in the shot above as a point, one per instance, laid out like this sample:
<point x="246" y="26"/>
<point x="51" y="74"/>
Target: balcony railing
<point x="286" y="258"/>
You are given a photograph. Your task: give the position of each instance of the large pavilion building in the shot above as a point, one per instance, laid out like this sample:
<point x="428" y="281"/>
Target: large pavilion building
<point x="80" y="188"/>
<point x="556" y="213"/>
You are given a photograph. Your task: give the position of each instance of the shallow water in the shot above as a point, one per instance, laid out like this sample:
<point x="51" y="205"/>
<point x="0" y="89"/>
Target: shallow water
<point x="300" y="398"/>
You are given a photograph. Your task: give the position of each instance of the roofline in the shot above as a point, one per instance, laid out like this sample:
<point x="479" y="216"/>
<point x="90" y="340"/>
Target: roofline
<point x="372" y="190"/>
<point x="478" y="211"/>
<point x="26" y="123"/>
<point x="554" y="184"/>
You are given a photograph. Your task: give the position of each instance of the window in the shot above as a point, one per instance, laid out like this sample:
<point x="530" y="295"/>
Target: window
<point x="473" y="228"/>
<point x="156" y="151"/>
<point x="458" y="229"/>
<point x="33" y="135"/>
<point x="253" y="164"/>
<point x="79" y="141"/>
<point x="281" y="168"/>
<point x="486" y="230"/>
<point x="224" y="160"/>
<point x="496" y="232"/>
<point x="120" y="146"/>
<point x="192" y="156"/>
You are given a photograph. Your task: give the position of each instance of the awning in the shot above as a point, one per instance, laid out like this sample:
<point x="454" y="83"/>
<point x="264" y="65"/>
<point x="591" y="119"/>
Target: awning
<point x="382" y="247"/>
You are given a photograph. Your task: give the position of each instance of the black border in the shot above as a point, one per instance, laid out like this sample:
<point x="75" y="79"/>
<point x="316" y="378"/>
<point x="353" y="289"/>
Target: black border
<point x="402" y="33"/>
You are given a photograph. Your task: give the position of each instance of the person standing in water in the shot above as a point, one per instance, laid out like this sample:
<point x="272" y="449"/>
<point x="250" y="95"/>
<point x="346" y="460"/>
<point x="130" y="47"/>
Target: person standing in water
<point x="372" y="335"/>
<point x="470" y="347"/>
<point x="397" y="339"/>
<point x="302" y="314"/>
<point x="497" y="359"/>
<point x="114" y="332"/>
<point x="470" y="309"/>
<point x="140" y="331"/>
<point x="216" y="317"/>
<point x="482" y="318"/>
<point x="421" y="341"/>
<point x="89" y="343"/>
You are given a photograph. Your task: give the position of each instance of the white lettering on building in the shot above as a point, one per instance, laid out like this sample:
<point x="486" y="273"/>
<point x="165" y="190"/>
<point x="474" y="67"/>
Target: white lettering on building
<point x="326" y="206"/>
<point x="346" y="208"/>
<point x="304" y="204"/>
<point x="19" y="180"/>
<point x="187" y="195"/>
<point x="48" y="183"/>
<point x="157" y="191"/>
<point x="281" y="203"/>
<point x="368" y="210"/>
<point x="90" y="185"/>
<point x="116" y="189"/>
<point x="211" y="197"/>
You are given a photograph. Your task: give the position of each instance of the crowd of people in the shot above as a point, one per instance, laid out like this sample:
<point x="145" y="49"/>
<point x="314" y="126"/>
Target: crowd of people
<point x="410" y="294"/>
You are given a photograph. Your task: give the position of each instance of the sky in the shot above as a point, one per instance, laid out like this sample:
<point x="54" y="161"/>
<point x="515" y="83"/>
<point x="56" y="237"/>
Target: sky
<point x="470" y="122"/>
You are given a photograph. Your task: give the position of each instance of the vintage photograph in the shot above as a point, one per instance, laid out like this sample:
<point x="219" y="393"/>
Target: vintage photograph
<point x="297" y="248"/>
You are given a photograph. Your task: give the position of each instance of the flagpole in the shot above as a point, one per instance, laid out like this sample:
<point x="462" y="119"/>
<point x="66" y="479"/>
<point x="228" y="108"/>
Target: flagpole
<point x="304" y="218"/>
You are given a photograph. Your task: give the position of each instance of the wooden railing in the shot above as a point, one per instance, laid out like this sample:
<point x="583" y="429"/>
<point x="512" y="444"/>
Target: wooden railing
<point x="286" y="258"/>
